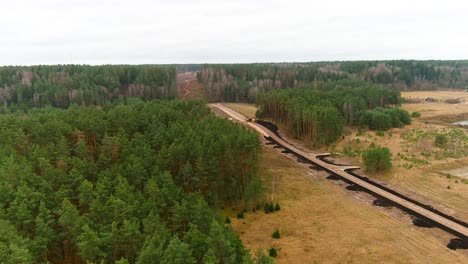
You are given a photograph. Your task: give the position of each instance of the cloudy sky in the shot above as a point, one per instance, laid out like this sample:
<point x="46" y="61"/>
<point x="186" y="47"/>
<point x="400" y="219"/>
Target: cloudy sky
<point x="215" y="31"/>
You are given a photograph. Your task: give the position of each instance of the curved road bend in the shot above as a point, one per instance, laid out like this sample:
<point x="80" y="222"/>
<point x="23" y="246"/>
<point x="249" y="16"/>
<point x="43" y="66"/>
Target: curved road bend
<point x="341" y="170"/>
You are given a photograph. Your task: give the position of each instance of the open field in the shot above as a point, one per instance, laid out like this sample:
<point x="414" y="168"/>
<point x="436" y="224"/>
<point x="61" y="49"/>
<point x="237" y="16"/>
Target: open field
<point x="424" y="181"/>
<point x="439" y="95"/>
<point x="321" y="222"/>
<point x="243" y="108"/>
<point x="439" y="112"/>
<point x="340" y="170"/>
<point x="421" y="170"/>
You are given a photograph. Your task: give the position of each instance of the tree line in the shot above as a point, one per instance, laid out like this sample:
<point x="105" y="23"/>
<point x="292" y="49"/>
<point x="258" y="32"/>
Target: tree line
<point x="243" y="82"/>
<point x="23" y="87"/>
<point x="320" y="114"/>
<point x="63" y="85"/>
<point x="123" y="183"/>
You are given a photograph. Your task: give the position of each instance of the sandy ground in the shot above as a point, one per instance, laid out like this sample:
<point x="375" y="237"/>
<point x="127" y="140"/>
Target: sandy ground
<point x="460" y="172"/>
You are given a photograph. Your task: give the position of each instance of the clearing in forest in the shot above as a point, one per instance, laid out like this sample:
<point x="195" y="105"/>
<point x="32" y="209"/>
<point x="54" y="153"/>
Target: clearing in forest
<point x="188" y="86"/>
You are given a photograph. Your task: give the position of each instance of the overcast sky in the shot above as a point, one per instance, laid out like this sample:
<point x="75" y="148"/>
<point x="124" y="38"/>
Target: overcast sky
<point x="216" y="31"/>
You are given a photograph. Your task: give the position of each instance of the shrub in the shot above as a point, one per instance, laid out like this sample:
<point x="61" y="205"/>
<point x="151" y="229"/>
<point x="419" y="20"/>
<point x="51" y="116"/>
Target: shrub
<point x="426" y="154"/>
<point x="273" y="252"/>
<point x="348" y="151"/>
<point x="261" y="258"/>
<point x="383" y="119"/>
<point x="403" y="115"/>
<point x="240" y="215"/>
<point x="380" y="121"/>
<point x="276" y="234"/>
<point x="277" y="207"/>
<point x="269" y="208"/>
<point x="228" y="220"/>
<point x="360" y="131"/>
<point x="380" y="133"/>
<point x="377" y="159"/>
<point x="440" y="140"/>
<point x="416" y="114"/>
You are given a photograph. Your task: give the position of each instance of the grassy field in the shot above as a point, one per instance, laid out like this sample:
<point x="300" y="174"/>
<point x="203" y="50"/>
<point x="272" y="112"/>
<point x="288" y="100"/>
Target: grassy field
<point x="321" y="222"/>
<point x="245" y="109"/>
<point x="438" y="112"/>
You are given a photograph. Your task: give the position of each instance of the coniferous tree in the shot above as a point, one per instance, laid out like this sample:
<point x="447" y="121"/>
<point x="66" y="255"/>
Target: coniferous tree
<point x="119" y="183"/>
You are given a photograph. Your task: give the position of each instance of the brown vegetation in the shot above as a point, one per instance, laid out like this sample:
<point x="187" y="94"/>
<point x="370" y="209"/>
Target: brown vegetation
<point x="303" y="196"/>
<point x="320" y="222"/>
<point x="440" y="95"/>
<point x="420" y="168"/>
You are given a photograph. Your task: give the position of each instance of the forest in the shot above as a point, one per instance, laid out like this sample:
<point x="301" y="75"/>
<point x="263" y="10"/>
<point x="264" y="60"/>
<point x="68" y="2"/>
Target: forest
<point x="63" y="85"/>
<point x="102" y="164"/>
<point x="135" y="182"/>
<point x="319" y="115"/>
<point x="23" y="87"/>
<point x="243" y="82"/>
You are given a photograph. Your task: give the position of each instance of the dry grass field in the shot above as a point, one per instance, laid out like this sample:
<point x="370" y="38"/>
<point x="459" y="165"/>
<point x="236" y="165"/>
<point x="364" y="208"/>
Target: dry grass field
<point x="321" y="221"/>
<point x="439" y="112"/>
<point x="440" y="95"/>
<point x="245" y="109"/>
<point x="421" y="169"/>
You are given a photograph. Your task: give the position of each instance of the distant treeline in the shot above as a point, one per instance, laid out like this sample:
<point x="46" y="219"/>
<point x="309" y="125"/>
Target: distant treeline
<point x="319" y="115"/>
<point x="123" y="184"/>
<point x="242" y="82"/>
<point x="63" y="85"/>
